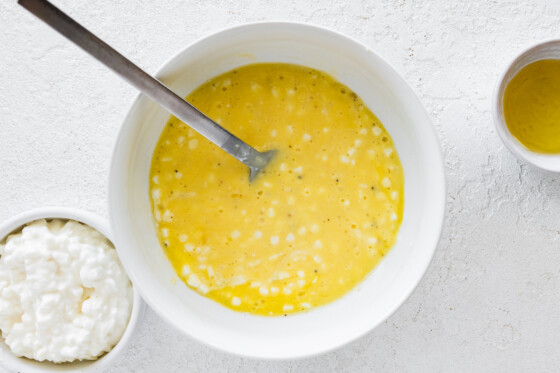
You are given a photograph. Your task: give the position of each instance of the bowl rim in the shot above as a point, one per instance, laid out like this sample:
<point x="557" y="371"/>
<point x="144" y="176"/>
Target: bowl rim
<point x="100" y="224"/>
<point x="513" y="145"/>
<point x="440" y="210"/>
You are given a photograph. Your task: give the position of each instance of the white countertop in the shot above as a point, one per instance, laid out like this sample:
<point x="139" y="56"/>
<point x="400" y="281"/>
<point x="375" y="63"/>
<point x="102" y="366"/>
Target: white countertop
<point x="490" y="301"/>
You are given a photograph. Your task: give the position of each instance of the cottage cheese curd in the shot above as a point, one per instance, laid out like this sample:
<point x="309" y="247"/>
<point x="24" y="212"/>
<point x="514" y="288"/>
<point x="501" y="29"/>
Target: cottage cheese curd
<point x="63" y="293"/>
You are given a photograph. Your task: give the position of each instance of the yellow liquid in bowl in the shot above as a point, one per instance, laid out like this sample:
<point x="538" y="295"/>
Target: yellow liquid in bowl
<point x="532" y="106"/>
<point x="323" y="214"/>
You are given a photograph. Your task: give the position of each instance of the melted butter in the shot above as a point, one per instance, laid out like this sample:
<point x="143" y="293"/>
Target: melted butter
<point x="325" y="211"/>
<point x="532" y="106"/>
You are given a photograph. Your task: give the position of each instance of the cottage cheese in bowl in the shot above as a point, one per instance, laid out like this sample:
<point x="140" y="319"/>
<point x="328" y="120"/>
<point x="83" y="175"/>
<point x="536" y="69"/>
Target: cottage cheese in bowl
<point x="63" y="293"/>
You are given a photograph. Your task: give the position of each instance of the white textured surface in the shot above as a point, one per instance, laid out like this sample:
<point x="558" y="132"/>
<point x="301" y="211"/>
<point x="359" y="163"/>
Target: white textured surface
<point x="491" y="298"/>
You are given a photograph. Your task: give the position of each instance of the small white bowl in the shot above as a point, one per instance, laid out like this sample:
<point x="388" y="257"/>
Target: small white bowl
<point x="385" y="288"/>
<point x="542" y="51"/>
<point x="19" y="364"/>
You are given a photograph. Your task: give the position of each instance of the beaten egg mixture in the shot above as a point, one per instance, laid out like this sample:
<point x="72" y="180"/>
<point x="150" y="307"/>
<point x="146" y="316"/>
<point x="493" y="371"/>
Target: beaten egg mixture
<point x="306" y="230"/>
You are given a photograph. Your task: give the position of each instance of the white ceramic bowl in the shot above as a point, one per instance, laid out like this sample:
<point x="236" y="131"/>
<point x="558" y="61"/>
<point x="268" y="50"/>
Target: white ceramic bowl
<point x="545" y="50"/>
<point x="18" y="364"/>
<point x="323" y="328"/>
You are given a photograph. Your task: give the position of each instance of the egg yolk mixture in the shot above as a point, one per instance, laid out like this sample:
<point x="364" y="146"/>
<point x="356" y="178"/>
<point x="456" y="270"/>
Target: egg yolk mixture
<point x="532" y="106"/>
<point x="311" y="226"/>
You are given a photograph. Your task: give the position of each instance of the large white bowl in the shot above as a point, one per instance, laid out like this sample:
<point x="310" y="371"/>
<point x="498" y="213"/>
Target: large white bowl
<point x="20" y="364"/>
<point x="323" y="328"/>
